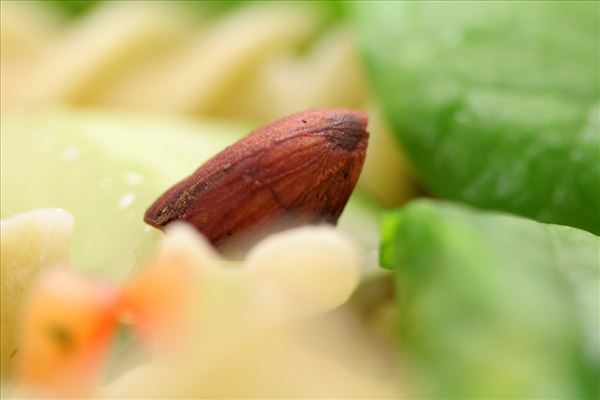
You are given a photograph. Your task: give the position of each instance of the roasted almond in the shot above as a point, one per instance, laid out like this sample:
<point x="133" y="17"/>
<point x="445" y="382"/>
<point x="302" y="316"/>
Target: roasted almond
<point x="300" y="169"/>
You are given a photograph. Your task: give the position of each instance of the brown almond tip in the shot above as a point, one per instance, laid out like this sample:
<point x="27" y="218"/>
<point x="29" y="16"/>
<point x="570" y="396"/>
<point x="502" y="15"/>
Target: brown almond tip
<point x="348" y="129"/>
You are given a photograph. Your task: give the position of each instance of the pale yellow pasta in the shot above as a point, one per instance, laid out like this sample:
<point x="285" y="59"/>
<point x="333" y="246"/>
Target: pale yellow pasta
<point x="26" y="31"/>
<point x="386" y="174"/>
<point x="25" y="28"/>
<point x="261" y="328"/>
<point x="96" y="47"/>
<point x="143" y="55"/>
<point x="29" y="242"/>
<point x="315" y="269"/>
<point x="211" y="67"/>
<point x="329" y="75"/>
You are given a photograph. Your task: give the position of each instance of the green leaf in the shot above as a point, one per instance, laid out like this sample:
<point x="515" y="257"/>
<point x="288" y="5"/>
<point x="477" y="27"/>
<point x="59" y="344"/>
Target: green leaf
<point x="492" y="305"/>
<point x="495" y="103"/>
<point x="74" y="8"/>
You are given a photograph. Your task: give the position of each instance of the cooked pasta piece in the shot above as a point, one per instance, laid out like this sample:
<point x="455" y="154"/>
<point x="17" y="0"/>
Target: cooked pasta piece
<point x="93" y="49"/>
<point x="30" y="242"/>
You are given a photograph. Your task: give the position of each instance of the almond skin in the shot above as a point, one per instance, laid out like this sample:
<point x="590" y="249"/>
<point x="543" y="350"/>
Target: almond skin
<point x="300" y="169"/>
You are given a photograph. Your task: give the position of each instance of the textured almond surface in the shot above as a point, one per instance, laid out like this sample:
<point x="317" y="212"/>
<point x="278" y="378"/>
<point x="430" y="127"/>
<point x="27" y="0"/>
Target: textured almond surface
<point x="299" y="169"/>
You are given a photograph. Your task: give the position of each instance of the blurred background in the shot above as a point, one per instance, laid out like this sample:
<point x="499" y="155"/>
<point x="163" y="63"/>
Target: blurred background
<point x="234" y="60"/>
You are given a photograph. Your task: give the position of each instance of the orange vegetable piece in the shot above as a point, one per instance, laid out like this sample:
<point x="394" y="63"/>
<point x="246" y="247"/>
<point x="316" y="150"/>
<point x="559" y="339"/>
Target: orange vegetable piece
<point x="66" y="329"/>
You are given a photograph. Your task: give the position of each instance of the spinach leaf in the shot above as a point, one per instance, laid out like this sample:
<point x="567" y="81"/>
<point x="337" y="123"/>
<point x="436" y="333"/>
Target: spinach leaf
<point x="495" y="103"/>
<point x="492" y="305"/>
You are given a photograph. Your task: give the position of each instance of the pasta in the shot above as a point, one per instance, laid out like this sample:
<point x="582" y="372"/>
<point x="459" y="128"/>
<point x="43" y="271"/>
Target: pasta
<point x="31" y="242"/>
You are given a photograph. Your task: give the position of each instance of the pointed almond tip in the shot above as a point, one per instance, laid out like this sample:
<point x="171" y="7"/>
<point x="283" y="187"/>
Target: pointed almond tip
<point x="152" y="216"/>
<point x="347" y="115"/>
<point x="148" y="216"/>
<point x="346" y="128"/>
<point x="357" y="116"/>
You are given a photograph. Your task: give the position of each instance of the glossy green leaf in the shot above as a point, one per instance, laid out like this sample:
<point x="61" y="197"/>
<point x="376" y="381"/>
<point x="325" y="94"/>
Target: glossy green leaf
<point x="495" y="103"/>
<point x="492" y="305"/>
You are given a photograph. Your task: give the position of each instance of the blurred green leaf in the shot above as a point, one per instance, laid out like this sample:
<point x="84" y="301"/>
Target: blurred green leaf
<point x="495" y="103"/>
<point x="74" y="7"/>
<point x="494" y="306"/>
<point x="331" y="10"/>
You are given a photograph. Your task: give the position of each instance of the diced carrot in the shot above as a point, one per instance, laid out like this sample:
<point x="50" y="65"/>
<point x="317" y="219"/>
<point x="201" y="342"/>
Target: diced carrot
<point x="156" y="301"/>
<point x="66" y="328"/>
